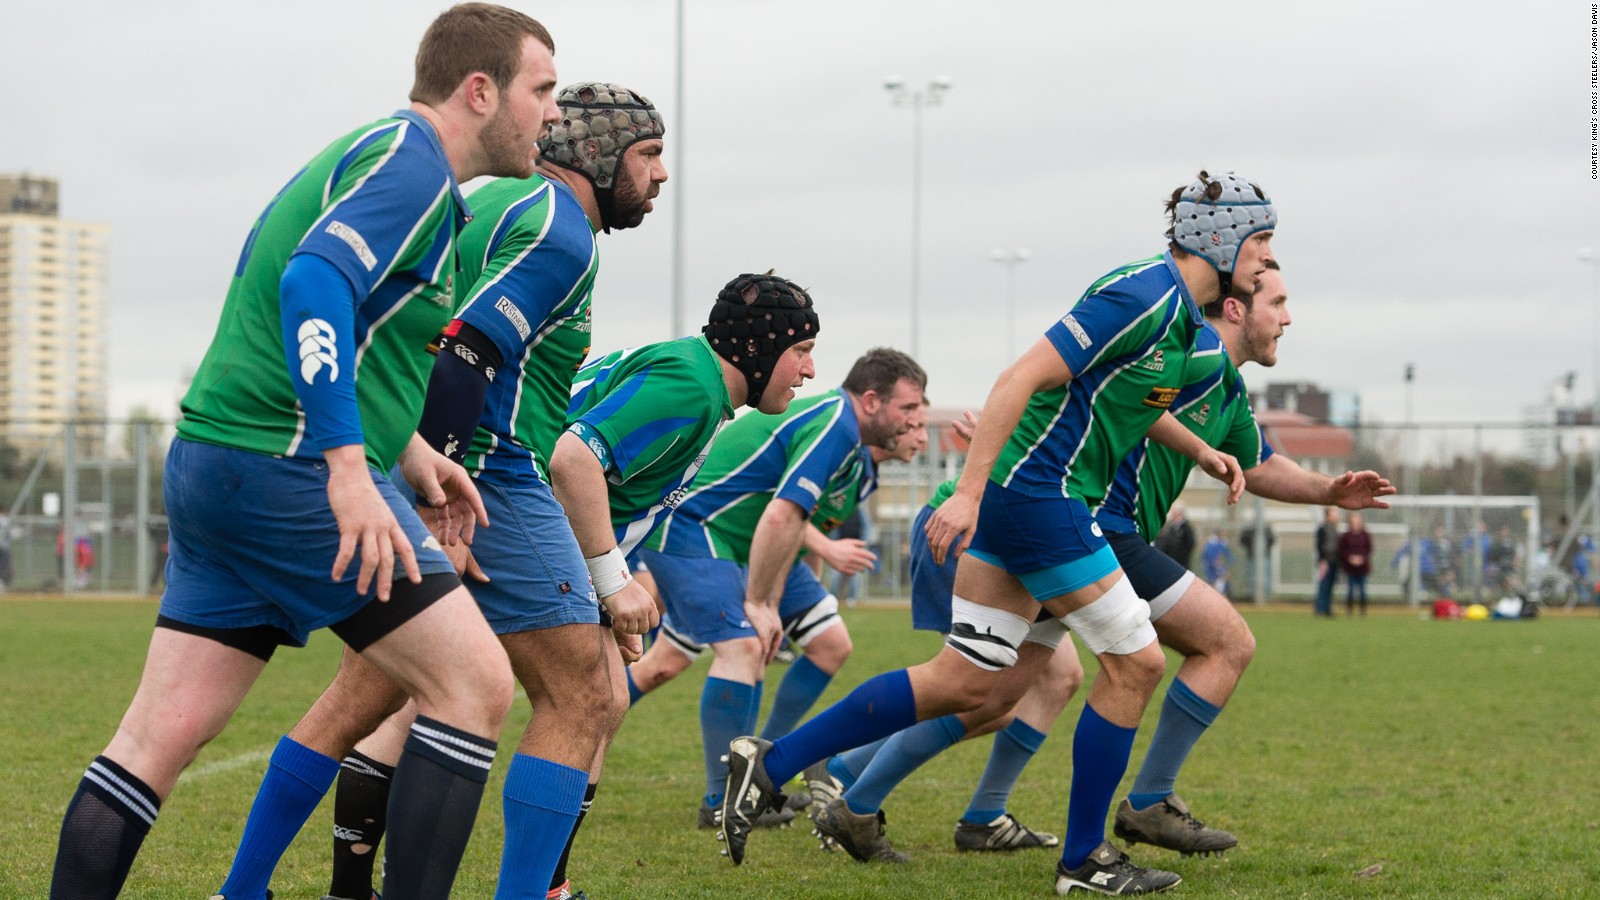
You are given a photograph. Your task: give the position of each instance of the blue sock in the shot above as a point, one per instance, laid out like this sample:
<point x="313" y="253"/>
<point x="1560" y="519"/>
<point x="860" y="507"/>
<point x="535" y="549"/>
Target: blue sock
<point x="296" y="781"/>
<point x="1013" y="747"/>
<point x="541" y="802"/>
<point x="849" y="765"/>
<point x="634" y="694"/>
<point x="724" y="715"/>
<point x="797" y="692"/>
<point x="902" y="755"/>
<point x="1185" y="716"/>
<point x="1099" y="758"/>
<point x="877" y="708"/>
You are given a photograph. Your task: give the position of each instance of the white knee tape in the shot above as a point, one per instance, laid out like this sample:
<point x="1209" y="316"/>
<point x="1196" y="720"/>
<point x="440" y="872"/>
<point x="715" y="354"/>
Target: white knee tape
<point x="987" y="637"/>
<point x="1118" y="622"/>
<point x="813" y="621"/>
<point x="1047" y="633"/>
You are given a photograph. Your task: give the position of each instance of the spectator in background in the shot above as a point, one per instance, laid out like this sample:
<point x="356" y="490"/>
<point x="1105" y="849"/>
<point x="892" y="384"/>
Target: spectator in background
<point x="1582" y="567"/>
<point x="1176" y="538"/>
<point x="83" y="558"/>
<point x="1327" y="547"/>
<point x="1247" y="543"/>
<point x="1440" y="564"/>
<point x="1216" y="557"/>
<point x="1475" y="549"/>
<point x="1501" y="565"/>
<point x="1355" y="559"/>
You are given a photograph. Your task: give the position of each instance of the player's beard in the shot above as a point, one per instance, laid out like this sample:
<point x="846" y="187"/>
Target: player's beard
<point x="628" y="203"/>
<point x="879" y="431"/>
<point x="1261" y="344"/>
<point x="510" y="154"/>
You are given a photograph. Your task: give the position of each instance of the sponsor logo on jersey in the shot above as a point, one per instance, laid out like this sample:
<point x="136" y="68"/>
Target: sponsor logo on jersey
<point x="1200" y="415"/>
<point x="1155" y="362"/>
<point x="356" y="242"/>
<point x="317" y="350"/>
<point x="1161" y="397"/>
<point x="1081" y="336"/>
<point x="672" y="500"/>
<point x="1094" y="528"/>
<point x="587" y="325"/>
<point x="431" y="543"/>
<point x="514" y="315"/>
<point x="810" y="487"/>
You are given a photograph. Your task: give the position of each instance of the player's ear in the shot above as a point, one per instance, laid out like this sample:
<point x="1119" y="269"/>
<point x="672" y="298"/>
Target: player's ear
<point x="480" y="92"/>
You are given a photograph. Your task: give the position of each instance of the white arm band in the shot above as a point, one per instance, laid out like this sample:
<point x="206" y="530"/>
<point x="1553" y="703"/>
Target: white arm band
<point x="609" y="572"/>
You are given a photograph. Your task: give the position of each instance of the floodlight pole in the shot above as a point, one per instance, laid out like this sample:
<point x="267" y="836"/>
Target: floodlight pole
<point x="1010" y="259"/>
<point x="678" y="193"/>
<point x="932" y="95"/>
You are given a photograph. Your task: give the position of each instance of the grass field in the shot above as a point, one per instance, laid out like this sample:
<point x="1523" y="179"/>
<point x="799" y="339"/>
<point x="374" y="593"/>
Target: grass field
<point x="1458" y="756"/>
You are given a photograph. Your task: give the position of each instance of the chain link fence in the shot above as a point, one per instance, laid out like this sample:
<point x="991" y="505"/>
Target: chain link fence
<point x="80" y="509"/>
<point x="82" y="512"/>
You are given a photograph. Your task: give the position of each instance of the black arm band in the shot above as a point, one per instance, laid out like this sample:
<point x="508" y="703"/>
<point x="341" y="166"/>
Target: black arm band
<point x="457" y="389"/>
<point x="470" y="345"/>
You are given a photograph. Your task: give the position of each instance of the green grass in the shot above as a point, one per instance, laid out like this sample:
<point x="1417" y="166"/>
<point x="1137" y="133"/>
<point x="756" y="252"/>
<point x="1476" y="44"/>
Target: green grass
<point x="1459" y="756"/>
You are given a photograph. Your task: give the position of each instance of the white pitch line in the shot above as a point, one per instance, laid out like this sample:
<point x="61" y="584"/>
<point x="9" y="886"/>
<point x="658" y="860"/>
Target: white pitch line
<point x="226" y="765"/>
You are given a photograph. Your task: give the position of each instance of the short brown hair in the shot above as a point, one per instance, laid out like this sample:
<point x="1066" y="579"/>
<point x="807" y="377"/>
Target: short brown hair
<point x="472" y="37"/>
<point x="880" y="369"/>
<point x="1213" y="310"/>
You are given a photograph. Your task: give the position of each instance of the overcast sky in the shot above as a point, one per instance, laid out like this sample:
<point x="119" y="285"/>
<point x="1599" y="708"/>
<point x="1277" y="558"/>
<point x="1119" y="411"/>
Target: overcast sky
<point x="1430" y="163"/>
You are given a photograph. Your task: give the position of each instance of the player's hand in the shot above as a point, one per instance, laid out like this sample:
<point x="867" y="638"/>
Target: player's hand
<point x="367" y="524"/>
<point x="462" y="560"/>
<point x="632" y="609"/>
<point x="966" y="425"/>
<point x="1360" y="490"/>
<point x="446" y="488"/>
<point x="630" y="646"/>
<point x="849" y="556"/>
<point x="1223" y="468"/>
<point x="953" y="523"/>
<point x="769" y="628"/>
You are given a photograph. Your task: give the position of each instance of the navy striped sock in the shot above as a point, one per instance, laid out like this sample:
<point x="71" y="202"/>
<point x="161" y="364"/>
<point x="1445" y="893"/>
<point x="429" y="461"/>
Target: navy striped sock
<point x="102" y="831"/>
<point x="433" y="803"/>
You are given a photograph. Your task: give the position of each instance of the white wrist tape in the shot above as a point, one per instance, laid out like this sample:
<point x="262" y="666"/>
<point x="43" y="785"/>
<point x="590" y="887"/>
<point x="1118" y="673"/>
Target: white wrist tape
<point x="609" y="572"/>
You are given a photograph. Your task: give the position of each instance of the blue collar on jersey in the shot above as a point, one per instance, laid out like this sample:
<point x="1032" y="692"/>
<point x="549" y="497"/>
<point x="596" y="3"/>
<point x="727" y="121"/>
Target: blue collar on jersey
<point x="1196" y="317"/>
<point x="463" y="211"/>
